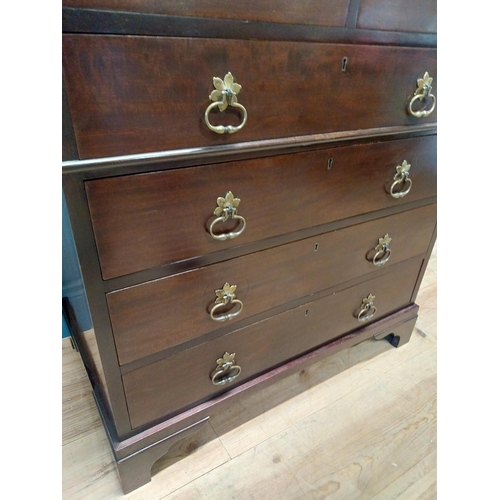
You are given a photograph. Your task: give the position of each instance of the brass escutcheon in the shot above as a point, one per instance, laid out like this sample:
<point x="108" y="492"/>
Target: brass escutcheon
<point x="227" y="209"/>
<point x="224" y="297"/>
<point x="226" y="371"/>
<point x="423" y="92"/>
<point x="223" y="96"/>
<point x="401" y="179"/>
<point x="367" y="309"/>
<point x="382" y="251"/>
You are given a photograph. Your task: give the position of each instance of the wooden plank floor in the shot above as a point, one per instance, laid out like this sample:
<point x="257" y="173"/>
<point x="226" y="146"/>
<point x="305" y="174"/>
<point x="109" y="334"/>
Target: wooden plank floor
<point x="364" y="428"/>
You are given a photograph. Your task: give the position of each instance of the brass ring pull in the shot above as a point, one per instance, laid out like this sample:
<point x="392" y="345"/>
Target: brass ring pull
<point x="401" y="179"/>
<point x="225" y="129"/>
<point x="383" y="252"/>
<point x="227" y="370"/>
<point x="224" y="297"/>
<point x="232" y="234"/>
<point x="423" y="112"/>
<point x="423" y="91"/>
<point x="226" y="209"/>
<point x="223" y="96"/>
<point x="367" y="310"/>
<point x="227" y="316"/>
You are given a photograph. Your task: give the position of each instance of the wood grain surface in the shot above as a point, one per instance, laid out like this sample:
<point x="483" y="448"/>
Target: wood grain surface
<point x="147" y="220"/>
<point x="146" y="319"/>
<point x="133" y="94"/>
<point x="398" y="15"/>
<point x="314" y="12"/>
<point x="179" y="381"/>
<point x="359" y="425"/>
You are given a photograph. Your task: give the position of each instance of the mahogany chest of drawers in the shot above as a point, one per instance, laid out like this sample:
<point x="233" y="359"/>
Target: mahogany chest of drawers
<point x="250" y="188"/>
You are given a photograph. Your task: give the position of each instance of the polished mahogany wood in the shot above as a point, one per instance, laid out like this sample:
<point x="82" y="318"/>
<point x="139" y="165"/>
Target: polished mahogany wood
<point x="149" y="220"/>
<point x="69" y="149"/>
<point x="398" y="15"/>
<point x="135" y="470"/>
<point x="312" y="179"/>
<point x="312" y="12"/>
<point x="154" y="316"/>
<point x="108" y="381"/>
<point x="141" y="94"/>
<point x="148" y="435"/>
<point x="174" y="383"/>
<point x="95" y="21"/>
<point x="136" y="454"/>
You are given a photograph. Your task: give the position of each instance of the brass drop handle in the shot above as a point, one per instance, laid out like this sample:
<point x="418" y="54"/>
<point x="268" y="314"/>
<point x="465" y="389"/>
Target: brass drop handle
<point x="423" y="92"/>
<point x="224" y="297"/>
<point x="367" y="310"/>
<point x="227" y="209"/>
<point x="223" y="96"/>
<point x="226" y="371"/>
<point x="382" y="251"/>
<point x="401" y="180"/>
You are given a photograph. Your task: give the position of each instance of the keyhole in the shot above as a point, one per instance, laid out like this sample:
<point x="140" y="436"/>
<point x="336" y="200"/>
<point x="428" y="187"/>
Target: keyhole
<point x="307" y="312"/>
<point x="344" y="64"/>
<point x="330" y="163"/>
<point x="316" y="246"/>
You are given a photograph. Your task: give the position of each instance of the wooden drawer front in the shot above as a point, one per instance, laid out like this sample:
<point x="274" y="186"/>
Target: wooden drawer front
<point x="313" y="12"/>
<point x="149" y="220"/>
<point x="154" y="316"/>
<point x="174" y="383"/>
<point x="130" y="94"/>
<point x="398" y="15"/>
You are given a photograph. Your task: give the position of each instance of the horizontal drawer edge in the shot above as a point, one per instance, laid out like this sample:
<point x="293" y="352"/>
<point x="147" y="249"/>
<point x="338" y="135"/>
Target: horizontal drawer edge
<point x="283" y="337"/>
<point x="119" y="165"/>
<point x="108" y="22"/>
<point x="179" y="267"/>
<point x="143" y="436"/>
<point x="229" y="327"/>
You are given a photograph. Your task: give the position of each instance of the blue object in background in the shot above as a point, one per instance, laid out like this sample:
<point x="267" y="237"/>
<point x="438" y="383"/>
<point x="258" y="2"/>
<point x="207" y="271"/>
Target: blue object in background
<point x="72" y="283"/>
<point x="65" y="328"/>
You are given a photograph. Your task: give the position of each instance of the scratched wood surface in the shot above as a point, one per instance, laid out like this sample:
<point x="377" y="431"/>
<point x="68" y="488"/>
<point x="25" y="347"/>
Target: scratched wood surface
<point x="359" y="425"/>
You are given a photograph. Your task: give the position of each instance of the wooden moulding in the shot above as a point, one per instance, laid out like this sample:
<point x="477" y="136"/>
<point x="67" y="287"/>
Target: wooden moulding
<point x="152" y="394"/>
<point x="136" y="455"/>
<point x="168" y="82"/>
<point x="398" y="15"/>
<point x="109" y="380"/>
<point x="387" y="15"/>
<point x="167" y="214"/>
<point x="98" y="168"/>
<point x="265" y="280"/>
<point x="83" y="20"/>
<point x="73" y="182"/>
<point x="314" y="12"/>
<point x="178" y="267"/>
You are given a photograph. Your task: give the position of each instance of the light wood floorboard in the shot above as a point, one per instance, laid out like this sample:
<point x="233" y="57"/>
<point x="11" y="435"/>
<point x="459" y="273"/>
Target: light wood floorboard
<point x="359" y="425"/>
